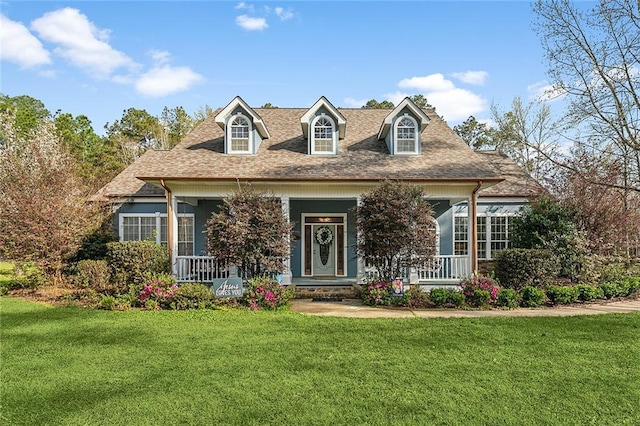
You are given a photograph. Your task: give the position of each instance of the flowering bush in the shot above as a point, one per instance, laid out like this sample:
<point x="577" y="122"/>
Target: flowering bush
<point x="158" y="293"/>
<point x="376" y="294"/>
<point x="479" y="290"/>
<point x="266" y="293"/>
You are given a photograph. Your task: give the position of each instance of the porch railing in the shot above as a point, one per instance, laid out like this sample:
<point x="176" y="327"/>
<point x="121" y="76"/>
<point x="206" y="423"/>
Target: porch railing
<point x="441" y="269"/>
<point x="201" y="269"/>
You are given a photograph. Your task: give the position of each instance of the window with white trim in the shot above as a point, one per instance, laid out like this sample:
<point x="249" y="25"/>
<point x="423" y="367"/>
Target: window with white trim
<point x="460" y="235"/>
<point x="493" y="235"/>
<point x="239" y="135"/>
<point x="406" y="135"/>
<point x="323" y="136"/>
<point x="153" y="227"/>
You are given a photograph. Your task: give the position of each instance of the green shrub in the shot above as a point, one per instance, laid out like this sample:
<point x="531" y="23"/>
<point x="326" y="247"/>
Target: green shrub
<point x="376" y="293"/>
<point x="27" y="275"/>
<point x="476" y="288"/>
<point x="94" y="274"/>
<point x="131" y="262"/>
<point x="629" y="286"/>
<point x="532" y="297"/>
<point x="545" y="224"/>
<point x="478" y="298"/>
<point x="600" y="269"/>
<point x="417" y="298"/>
<point x="562" y="295"/>
<point x="610" y="290"/>
<point x="94" y="246"/>
<point x="446" y="296"/>
<point x="507" y="298"/>
<point x="107" y="302"/>
<point x="266" y="293"/>
<point x="439" y="296"/>
<point x="158" y="291"/>
<point x="587" y="292"/>
<point x="520" y="268"/>
<point x="192" y="296"/>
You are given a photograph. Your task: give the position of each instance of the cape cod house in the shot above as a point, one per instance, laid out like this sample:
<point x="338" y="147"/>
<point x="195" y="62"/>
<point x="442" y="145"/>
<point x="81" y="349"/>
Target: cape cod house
<point x="319" y="160"/>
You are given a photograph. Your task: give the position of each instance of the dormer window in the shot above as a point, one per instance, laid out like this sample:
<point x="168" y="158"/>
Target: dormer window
<point x="243" y="128"/>
<point x="402" y="127"/>
<point x="322" y="126"/>
<point x="406" y="135"/>
<point x="239" y="133"/>
<point x="323" y="136"/>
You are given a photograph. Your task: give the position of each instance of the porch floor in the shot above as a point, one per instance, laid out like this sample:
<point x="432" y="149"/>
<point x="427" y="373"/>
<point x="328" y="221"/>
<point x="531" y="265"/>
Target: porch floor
<point x="322" y="282"/>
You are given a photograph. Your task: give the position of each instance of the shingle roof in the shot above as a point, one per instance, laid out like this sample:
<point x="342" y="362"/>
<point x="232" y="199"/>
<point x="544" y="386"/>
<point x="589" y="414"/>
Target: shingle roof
<point x="516" y="183"/>
<point x="200" y="156"/>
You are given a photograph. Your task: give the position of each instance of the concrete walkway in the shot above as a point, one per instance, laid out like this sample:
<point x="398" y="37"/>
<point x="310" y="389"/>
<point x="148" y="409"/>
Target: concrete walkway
<point x="354" y="308"/>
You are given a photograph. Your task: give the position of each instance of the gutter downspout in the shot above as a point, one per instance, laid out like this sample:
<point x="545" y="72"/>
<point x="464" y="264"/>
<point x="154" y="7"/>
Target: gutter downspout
<point x="474" y="228"/>
<point x="169" y="196"/>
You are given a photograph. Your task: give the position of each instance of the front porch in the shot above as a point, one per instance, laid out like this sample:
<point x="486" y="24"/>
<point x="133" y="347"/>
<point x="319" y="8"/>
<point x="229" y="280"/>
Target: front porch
<point x="442" y="270"/>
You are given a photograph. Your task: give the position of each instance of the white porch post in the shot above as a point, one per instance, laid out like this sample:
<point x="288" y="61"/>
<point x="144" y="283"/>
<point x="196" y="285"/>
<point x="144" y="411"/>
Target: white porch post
<point x="172" y="228"/>
<point x="287" y="275"/>
<point x="473" y="234"/>
<point x="360" y="276"/>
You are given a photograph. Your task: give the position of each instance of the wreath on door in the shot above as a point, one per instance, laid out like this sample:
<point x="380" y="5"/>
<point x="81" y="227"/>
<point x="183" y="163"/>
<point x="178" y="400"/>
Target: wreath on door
<point x="324" y="237"/>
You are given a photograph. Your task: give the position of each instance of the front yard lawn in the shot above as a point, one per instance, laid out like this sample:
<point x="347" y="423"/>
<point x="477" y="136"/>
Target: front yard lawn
<point x="71" y="366"/>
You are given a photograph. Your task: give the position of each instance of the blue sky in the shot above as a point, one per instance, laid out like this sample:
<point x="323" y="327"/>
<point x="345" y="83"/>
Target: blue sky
<point x="100" y="58"/>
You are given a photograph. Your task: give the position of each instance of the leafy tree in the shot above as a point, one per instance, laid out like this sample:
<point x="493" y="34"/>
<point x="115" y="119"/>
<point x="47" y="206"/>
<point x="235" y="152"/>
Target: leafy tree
<point x="608" y="216"/>
<point x="176" y="124"/>
<point x="421" y="101"/>
<point x="95" y="157"/>
<point x="134" y="133"/>
<point x="201" y="114"/>
<point x="43" y="209"/>
<point x="395" y="226"/>
<point x="373" y="104"/>
<point x="527" y="134"/>
<point x="251" y="232"/>
<point x="545" y="224"/>
<point x="475" y="134"/>
<point x="268" y="106"/>
<point x="593" y="60"/>
<point x="28" y="112"/>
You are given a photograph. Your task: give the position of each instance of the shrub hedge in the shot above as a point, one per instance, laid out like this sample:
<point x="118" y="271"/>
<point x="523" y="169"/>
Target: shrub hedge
<point x="131" y="262"/>
<point x="520" y="268"/>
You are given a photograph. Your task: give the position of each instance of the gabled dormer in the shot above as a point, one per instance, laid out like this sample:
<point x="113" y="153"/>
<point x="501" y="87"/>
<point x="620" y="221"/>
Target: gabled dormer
<point x="401" y="129"/>
<point x="243" y="128"/>
<point x="322" y="127"/>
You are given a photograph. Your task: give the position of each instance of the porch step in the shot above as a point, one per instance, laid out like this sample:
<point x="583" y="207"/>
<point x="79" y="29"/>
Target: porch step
<point x="325" y="292"/>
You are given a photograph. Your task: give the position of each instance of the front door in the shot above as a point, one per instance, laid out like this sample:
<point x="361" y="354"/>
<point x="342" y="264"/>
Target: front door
<point x="324" y="250"/>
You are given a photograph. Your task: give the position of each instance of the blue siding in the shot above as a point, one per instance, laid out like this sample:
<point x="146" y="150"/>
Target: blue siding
<point x="202" y="214"/>
<point x="443" y="214"/>
<point x="298" y="207"/>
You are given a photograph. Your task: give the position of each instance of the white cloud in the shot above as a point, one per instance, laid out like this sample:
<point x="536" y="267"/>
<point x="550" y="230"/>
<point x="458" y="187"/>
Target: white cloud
<point x="283" y="14"/>
<point x="432" y="82"/>
<point x="544" y="92"/>
<point x="354" y="103"/>
<point x="471" y="77"/>
<point x="81" y="42"/>
<point x="251" y="24"/>
<point x="241" y="5"/>
<point x="451" y="102"/>
<point x="395" y="97"/>
<point x="19" y="46"/>
<point x="165" y="80"/>
<point x="160" y="56"/>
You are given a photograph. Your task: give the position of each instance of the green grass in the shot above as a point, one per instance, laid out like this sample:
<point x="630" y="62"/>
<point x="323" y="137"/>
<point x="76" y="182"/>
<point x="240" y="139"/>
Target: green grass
<point x="71" y="366"/>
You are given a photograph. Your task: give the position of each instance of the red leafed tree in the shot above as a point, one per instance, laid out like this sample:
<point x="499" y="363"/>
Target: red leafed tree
<point x="43" y="208"/>
<point x="251" y="232"/>
<point x="396" y="228"/>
